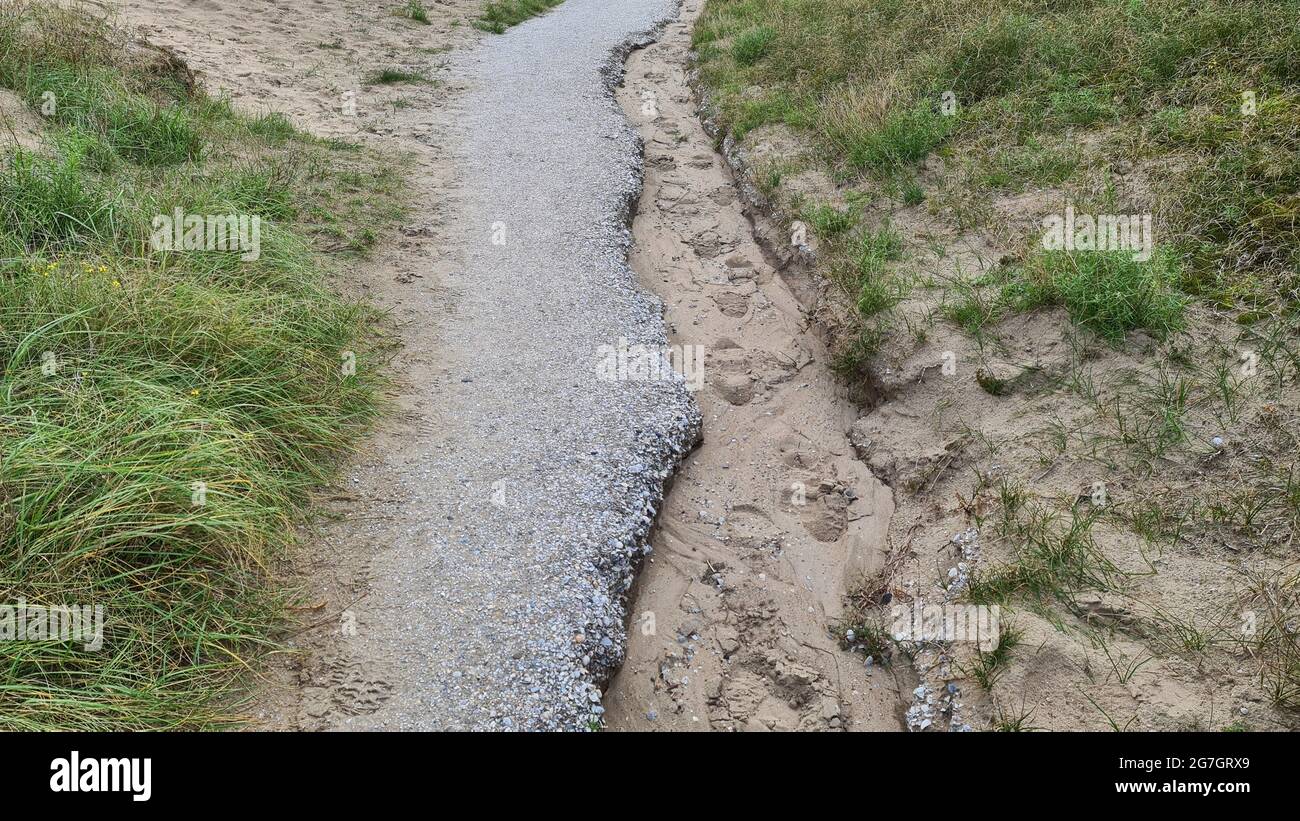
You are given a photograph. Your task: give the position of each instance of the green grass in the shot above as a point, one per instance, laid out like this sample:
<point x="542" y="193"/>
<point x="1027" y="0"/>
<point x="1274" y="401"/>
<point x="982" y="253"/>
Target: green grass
<point x="1108" y="292"/>
<point x="1052" y="560"/>
<point x="1018" y="722"/>
<point x="751" y="44"/>
<point x="501" y="15"/>
<point x="870" y="637"/>
<point x="51" y="202"/>
<point x="902" y="138"/>
<point x="274" y="127"/>
<point x="873" y="250"/>
<point x="415" y="10"/>
<point x="912" y="193"/>
<point x="1018" y="166"/>
<point x="988" y="665"/>
<point x="827" y="220"/>
<point x="1162" y="80"/>
<point x="393" y="76"/>
<point x="128" y="375"/>
<point x="96" y="101"/>
<point x="972" y="309"/>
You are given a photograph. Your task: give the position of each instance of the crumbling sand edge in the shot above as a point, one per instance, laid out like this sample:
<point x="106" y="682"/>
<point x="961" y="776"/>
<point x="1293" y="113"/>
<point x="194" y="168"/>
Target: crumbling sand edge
<point x="632" y="543"/>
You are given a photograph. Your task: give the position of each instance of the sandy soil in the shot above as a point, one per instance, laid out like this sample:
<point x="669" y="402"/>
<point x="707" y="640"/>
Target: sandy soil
<point x="19" y="125"/>
<point x="771" y="517"/>
<point x="960" y="427"/>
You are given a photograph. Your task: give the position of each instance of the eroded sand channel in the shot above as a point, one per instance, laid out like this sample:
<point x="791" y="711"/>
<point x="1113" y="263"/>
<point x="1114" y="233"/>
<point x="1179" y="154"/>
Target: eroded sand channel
<point x="772" y="515"/>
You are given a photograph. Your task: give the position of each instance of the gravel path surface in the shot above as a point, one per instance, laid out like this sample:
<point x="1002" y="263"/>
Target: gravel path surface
<point x="497" y="599"/>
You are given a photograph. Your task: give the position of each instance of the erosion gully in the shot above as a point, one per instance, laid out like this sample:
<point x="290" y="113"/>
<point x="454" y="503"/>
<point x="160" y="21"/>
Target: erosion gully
<point x="772" y="517"/>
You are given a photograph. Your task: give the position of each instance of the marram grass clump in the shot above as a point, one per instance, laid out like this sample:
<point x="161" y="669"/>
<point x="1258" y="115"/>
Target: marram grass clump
<point x="163" y="414"/>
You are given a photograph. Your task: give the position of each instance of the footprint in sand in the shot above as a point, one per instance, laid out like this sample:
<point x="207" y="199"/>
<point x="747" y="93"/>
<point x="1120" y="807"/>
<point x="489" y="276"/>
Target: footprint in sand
<point x="723" y="196"/>
<point x="731" y="303"/>
<point x="738" y="267"/>
<point x="737" y="389"/>
<point x="826" y="518"/>
<point x="748" y="526"/>
<point x="732" y="379"/>
<point x="709" y="244"/>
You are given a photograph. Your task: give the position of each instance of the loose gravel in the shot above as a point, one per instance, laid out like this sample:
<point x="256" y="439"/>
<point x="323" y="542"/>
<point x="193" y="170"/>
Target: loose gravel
<point x="498" y="602"/>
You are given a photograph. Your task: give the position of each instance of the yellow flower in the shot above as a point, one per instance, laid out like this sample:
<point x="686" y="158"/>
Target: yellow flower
<point x="194" y="392"/>
<point x="117" y="284"/>
<point x="103" y="269"/>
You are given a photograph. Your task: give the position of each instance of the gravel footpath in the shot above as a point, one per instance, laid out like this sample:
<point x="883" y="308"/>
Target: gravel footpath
<point x="497" y="600"/>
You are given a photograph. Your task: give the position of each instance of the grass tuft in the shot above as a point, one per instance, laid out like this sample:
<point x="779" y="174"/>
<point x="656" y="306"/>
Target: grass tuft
<point x="1110" y="292"/>
<point x="751" y="44"/>
<point x="415" y="10"/>
<point x="502" y="14"/>
<point x="132" y="378"/>
<point x="988" y="665"/>
<point x="393" y="76"/>
<point x="1051" y="562"/>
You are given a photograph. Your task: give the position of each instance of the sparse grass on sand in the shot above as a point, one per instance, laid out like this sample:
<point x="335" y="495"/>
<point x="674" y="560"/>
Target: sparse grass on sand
<point x="1161" y="79"/>
<point x="501" y="15"/>
<point x="958" y="126"/>
<point x="163" y="413"/>
<point x="416" y="10"/>
<point x="393" y="76"/>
